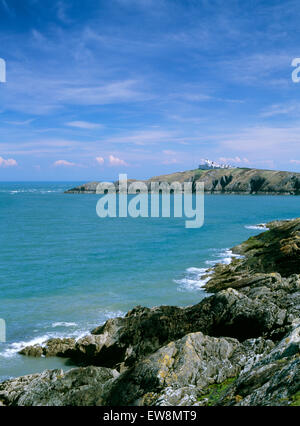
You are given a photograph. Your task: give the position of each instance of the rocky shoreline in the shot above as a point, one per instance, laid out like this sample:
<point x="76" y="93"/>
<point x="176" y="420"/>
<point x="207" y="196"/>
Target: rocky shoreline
<point x="240" y="346"/>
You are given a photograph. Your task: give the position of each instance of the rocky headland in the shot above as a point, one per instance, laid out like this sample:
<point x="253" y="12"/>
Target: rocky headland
<point x="239" y="346"/>
<point x="222" y="181"/>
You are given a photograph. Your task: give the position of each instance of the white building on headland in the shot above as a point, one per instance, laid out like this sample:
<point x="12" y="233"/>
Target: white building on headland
<point x="207" y="165"/>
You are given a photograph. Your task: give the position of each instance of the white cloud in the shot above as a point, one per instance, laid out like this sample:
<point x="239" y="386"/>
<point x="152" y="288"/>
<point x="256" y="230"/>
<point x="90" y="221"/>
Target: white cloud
<point x="115" y="161"/>
<point x="100" y="160"/>
<point x="64" y="163"/>
<point x="295" y="161"/>
<point x="83" y="125"/>
<point x="10" y="162"/>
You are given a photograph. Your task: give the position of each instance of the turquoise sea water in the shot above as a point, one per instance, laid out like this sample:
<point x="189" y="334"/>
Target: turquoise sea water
<point x="63" y="270"/>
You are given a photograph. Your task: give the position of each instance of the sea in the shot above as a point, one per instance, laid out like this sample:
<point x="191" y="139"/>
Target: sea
<point x="64" y="270"/>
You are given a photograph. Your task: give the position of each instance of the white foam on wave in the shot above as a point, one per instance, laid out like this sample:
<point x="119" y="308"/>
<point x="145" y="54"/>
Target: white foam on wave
<point x="30" y="191"/>
<point x="12" y="349"/>
<point x="64" y="324"/>
<point x="113" y="314"/>
<point x="260" y="227"/>
<point x="224" y="257"/>
<point x="195" y="279"/>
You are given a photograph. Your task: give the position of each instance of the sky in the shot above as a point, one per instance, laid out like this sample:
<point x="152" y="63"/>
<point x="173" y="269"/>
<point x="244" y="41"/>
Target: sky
<point x="95" y="88"/>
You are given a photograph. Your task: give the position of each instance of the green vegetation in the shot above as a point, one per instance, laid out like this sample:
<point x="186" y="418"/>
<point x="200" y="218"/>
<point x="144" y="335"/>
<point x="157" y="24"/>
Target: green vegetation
<point x="215" y="391"/>
<point x="296" y="400"/>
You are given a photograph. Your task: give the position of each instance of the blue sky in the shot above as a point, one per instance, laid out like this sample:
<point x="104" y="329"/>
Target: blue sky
<point x="146" y="87"/>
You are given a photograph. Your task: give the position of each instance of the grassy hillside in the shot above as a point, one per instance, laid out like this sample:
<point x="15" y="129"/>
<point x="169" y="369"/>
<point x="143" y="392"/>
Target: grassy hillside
<point x="226" y="181"/>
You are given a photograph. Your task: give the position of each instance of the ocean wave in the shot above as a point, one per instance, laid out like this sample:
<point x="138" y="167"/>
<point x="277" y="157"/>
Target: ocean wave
<point x="194" y="280"/>
<point x="260" y="227"/>
<point x="113" y="314"/>
<point x="64" y="324"/>
<point x="33" y="191"/>
<point x="30" y="191"/>
<point x="224" y="257"/>
<point x="12" y="349"/>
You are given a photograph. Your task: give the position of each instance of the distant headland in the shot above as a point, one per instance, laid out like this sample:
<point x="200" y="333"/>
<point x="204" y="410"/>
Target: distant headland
<point x="223" y="179"/>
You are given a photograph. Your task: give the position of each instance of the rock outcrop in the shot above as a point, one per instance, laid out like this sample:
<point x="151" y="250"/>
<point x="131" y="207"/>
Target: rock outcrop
<point x="269" y="256"/>
<point x="239" y="346"/>
<point x="79" y="386"/>
<point x="273" y="380"/>
<point x="194" y="362"/>
<point x="52" y="347"/>
<point x="121" y="342"/>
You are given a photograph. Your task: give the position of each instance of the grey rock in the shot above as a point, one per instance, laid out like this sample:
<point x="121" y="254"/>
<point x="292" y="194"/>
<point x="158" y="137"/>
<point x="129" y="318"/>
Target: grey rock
<point x="273" y="380"/>
<point x="193" y="362"/>
<point x="52" y="347"/>
<point x="79" y="386"/>
<point x="121" y="342"/>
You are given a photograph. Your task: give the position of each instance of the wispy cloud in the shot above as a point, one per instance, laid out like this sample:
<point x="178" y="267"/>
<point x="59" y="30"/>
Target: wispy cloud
<point x="61" y="7"/>
<point x="291" y="109"/>
<point x="177" y="81"/>
<point x="171" y="161"/>
<point x="262" y="142"/>
<point x="115" y="92"/>
<point x="20" y="123"/>
<point x="144" y="137"/>
<point x="5" y="7"/>
<point x="258" y="68"/>
<point x="234" y="160"/>
<point x="84" y="125"/>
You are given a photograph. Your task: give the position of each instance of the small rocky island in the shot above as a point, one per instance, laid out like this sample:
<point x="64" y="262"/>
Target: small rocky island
<point x="239" y="346"/>
<point x="223" y="181"/>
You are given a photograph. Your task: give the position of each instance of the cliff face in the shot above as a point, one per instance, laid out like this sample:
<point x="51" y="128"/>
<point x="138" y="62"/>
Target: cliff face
<point x="240" y="346"/>
<point x="226" y="181"/>
<point x="241" y="181"/>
